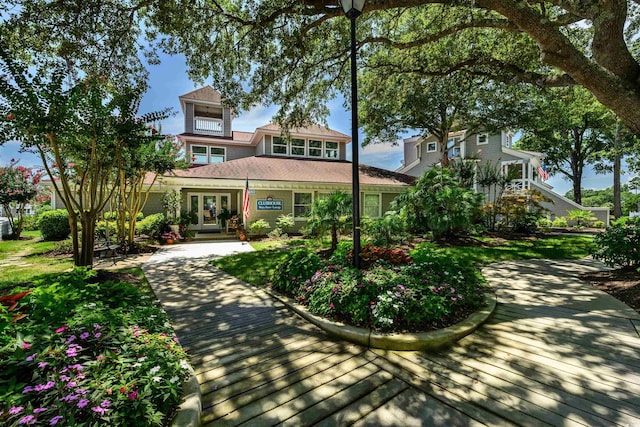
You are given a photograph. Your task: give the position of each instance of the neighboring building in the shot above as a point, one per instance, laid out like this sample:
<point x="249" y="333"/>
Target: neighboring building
<point x="421" y="154"/>
<point x="285" y="174"/>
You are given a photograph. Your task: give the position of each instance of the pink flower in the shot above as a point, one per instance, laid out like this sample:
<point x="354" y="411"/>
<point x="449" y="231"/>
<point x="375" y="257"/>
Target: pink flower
<point x="332" y="306"/>
<point x="133" y="395"/>
<point x="99" y="410"/>
<point x="100" y="357"/>
<point x="42" y="365"/>
<point x="105" y="404"/>
<point x="26" y="345"/>
<point x="59" y="330"/>
<point x="55" y="420"/>
<point x="84" y="335"/>
<point x="27" y="419"/>
<point x="82" y="403"/>
<point x="16" y="410"/>
<point x="38" y="410"/>
<point x="30" y="358"/>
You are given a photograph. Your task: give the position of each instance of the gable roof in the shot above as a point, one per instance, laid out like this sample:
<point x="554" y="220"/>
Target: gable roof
<point x="206" y="93"/>
<point x="267" y="168"/>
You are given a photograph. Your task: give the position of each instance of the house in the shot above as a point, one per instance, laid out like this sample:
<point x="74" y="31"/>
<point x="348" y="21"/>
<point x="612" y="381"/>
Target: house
<point x="285" y="174"/>
<point x="422" y="153"/>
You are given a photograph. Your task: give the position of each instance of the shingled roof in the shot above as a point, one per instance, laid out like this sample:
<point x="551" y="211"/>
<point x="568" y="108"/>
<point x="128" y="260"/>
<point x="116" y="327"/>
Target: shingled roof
<point x="268" y="168"/>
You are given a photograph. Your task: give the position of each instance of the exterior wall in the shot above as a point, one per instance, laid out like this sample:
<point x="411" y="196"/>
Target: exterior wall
<point x="188" y="117"/>
<point x="232" y="152"/>
<point x="342" y="151"/>
<point x="490" y="151"/>
<point x="561" y="205"/>
<point x="260" y="147"/>
<point x="267" y="144"/>
<point x="226" y="122"/>
<point x="387" y="198"/>
<point x="154" y="204"/>
<point x="271" y="216"/>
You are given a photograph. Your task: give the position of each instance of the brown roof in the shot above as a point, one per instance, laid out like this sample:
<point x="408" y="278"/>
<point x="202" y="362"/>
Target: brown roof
<point x="206" y="93"/>
<point x="268" y="168"/>
<point x="315" y="130"/>
<point x="242" y="136"/>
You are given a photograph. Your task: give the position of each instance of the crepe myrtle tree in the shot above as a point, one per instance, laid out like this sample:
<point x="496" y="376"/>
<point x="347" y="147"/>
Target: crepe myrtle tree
<point x="18" y="187"/>
<point x="80" y="128"/>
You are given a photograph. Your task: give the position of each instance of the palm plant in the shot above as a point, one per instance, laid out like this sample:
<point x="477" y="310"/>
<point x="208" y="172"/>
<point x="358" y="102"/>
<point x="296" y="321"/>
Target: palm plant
<point x="331" y="213"/>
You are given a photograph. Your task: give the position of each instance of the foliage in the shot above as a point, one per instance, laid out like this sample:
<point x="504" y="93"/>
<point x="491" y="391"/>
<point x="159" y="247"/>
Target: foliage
<point x="427" y="295"/>
<point x="560" y="222"/>
<point x="522" y="210"/>
<point x="569" y="125"/>
<point x="330" y="214"/>
<point x="153" y="225"/>
<point x="297" y="267"/>
<point x="106" y="231"/>
<point x="18" y="187"/>
<point x="54" y="224"/>
<point x="598" y="224"/>
<point x="619" y="245"/>
<point x="171" y="203"/>
<point x="386" y="230"/>
<point x="581" y="217"/>
<point x="544" y="224"/>
<point x="89" y="353"/>
<point x="285" y="222"/>
<point x="185" y="220"/>
<point x="371" y="255"/>
<point x="440" y="204"/>
<point x="257" y="227"/>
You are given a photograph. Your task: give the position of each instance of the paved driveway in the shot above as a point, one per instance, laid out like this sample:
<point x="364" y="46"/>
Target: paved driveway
<point x="556" y="352"/>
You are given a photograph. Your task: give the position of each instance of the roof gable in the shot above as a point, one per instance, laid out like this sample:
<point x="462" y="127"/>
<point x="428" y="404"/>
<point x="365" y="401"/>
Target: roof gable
<point x="206" y="93"/>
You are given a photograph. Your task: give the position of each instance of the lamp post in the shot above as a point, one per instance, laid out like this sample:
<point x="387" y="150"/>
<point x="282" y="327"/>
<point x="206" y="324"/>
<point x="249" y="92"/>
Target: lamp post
<point x="352" y="9"/>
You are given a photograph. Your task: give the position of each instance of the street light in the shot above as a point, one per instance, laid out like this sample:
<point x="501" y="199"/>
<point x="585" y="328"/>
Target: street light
<point x="352" y="9"/>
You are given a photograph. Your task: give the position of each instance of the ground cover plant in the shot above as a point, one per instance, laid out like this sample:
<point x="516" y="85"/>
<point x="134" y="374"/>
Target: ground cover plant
<point x="87" y="348"/>
<point x="394" y="291"/>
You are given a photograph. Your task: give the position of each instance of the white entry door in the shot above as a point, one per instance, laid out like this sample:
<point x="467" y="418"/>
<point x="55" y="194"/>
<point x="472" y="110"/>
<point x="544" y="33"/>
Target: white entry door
<point x="206" y="208"/>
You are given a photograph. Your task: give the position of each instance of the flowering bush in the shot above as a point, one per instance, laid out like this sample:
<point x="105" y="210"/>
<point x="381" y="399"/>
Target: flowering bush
<point x="113" y="361"/>
<point x="431" y="293"/>
<point x="170" y="235"/>
<point x="18" y="186"/>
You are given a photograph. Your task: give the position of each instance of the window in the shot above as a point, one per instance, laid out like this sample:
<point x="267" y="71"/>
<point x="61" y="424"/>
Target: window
<point x="216" y="154"/>
<point x="279" y="145"/>
<point x="297" y="147"/>
<point x="483" y="138"/>
<point x="301" y="204"/>
<point x="199" y="154"/>
<point x="315" y="148"/>
<point x="452" y="141"/>
<point x="331" y="150"/>
<point x="432" y="147"/>
<point x="454" y="152"/>
<point x="372" y="205"/>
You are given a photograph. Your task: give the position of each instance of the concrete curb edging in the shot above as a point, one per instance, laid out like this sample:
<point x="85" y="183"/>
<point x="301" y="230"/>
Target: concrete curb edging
<point x="423" y="341"/>
<point x="190" y="410"/>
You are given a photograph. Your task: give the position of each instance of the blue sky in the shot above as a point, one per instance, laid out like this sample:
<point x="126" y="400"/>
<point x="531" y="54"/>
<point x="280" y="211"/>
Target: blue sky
<point x="169" y="79"/>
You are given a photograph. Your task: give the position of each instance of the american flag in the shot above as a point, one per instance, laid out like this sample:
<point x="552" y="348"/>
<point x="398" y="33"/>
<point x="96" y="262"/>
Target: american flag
<point x="245" y="205"/>
<point x="542" y="171"/>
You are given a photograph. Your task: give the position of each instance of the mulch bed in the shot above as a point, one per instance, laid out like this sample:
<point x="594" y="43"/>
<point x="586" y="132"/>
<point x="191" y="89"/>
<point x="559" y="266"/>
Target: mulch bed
<point x="623" y="284"/>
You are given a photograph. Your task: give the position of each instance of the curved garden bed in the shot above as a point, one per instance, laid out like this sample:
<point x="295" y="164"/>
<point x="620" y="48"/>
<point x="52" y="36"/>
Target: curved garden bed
<point x="423" y="300"/>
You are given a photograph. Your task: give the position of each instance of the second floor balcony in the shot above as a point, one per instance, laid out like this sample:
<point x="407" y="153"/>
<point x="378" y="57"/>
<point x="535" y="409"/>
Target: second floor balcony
<point x="208" y="126"/>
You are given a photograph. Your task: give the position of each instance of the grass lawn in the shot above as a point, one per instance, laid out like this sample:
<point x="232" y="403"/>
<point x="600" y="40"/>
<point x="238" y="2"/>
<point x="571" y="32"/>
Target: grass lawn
<point x="32" y="263"/>
<point x="551" y="247"/>
<point x="257" y="267"/>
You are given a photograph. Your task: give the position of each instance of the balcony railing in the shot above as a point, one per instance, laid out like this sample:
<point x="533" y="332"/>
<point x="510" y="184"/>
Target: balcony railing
<point x="208" y="126"/>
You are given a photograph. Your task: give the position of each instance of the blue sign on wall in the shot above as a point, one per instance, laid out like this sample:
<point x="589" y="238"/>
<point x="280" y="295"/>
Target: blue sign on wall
<point x="270" y="204"/>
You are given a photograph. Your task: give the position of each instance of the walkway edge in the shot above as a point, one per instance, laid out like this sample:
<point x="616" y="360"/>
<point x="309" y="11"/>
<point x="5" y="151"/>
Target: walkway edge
<point x="190" y="410"/>
<point x="423" y="341"/>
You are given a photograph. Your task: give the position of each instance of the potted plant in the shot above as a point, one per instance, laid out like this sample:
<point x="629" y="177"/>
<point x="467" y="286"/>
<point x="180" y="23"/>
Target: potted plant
<point x="170" y="237"/>
<point x="224" y="216"/>
<point x="171" y="204"/>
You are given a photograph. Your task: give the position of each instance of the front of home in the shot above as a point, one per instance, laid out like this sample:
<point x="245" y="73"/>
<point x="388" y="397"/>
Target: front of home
<point x="422" y="153"/>
<point x="285" y="174"/>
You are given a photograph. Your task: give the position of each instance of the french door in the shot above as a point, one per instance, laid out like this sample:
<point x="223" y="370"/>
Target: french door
<point x="207" y="207"/>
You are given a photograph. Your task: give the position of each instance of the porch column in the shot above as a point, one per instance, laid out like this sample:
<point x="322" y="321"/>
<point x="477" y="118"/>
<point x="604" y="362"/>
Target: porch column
<point x="524" y="177"/>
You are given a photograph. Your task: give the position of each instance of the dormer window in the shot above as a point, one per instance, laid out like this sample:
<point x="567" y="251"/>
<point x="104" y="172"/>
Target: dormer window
<point x="432" y="147"/>
<point x="331" y="150"/>
<point x="315" y="148"/>
<point x="279" y="146"/>
<point x="297" y="147"/>
<point x="202" y="154"/>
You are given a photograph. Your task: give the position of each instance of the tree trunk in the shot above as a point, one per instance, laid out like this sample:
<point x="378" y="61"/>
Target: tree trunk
<point x="617" y="165"/>
<point x="88" y="239"/>
<point x="577" y="191"/>
<point x="334" y="238"/>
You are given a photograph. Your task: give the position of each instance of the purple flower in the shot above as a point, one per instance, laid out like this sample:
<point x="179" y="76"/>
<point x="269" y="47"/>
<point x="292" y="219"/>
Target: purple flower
<point x="133" y="395"/>
<point x="99" y="410"/>
<point x="335" y="289"/>
<point x="105" y="404"/>
<point x="65" y="378"/>
<point x="27" y="419"/>
<point x="453" y="290"/>
<point x="401" y="287"/>
<point x="16" y="410"/>
<point x="72" y="384"/>
<point x="70" y="339"/>
<point x="55" y="420"/>
<point x="397" y="293"/>
<point x="47" y="386"/>
<point x="70" y="398"/>
<point x="77" y="367"/>
<point x="38" y="410"/>
<point x="84" y="335"/>
<point x="42" y="365"/>
<point x="27" y="389"/>
<point x="96" y="326"/>
<point x="97" y="335"/>
<point x="82" y="391"/>
<point x="82" y="403"/>
<point x="30" y="358"/>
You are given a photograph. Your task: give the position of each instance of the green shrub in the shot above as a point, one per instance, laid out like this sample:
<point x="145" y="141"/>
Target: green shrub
<point x="277" y="233"/>
<point x="560" y="222"/>
<point x="299" y="266"/>
<point x="526" y="222"/>
<point x="106" y="229"/>
<point x="598" y="224"/>
<point x="285" y="222"/>
<point x="153" y="225"/>
<point x="258" y="227"/>
<point x="54" y="225"/>
<point x="29" y="223"/>
<point x="385" y="231"/>
<point x="113" y="216"/>
<point x="581" y="217"/>
<point x="619" y="245"/>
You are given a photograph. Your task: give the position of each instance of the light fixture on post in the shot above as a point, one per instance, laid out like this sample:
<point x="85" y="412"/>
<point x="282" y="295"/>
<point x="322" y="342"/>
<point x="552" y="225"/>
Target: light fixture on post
<point x="352" y="9"/>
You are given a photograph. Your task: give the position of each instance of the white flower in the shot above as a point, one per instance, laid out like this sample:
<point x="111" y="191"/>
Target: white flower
<point x="157" y="379"/>
<point x="184" y="365"/>
<point x="136" y="365"/>
<point x="142" y="359"/>
<point x="154" y="370"/>
<point x="174" y="379"/>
